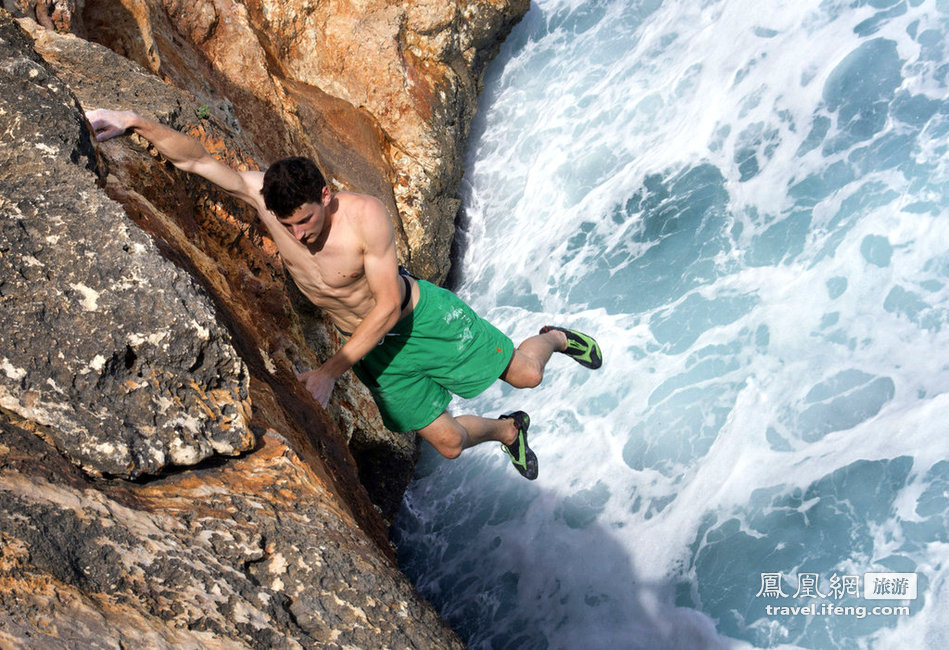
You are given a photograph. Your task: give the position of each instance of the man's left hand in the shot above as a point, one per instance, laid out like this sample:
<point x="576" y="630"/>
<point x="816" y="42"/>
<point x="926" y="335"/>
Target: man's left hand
<point x="320" y="385"/>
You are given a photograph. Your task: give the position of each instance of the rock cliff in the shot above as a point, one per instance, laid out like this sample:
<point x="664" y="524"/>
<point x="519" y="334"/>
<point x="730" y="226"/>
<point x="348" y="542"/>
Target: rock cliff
<point x="164" y="479"/>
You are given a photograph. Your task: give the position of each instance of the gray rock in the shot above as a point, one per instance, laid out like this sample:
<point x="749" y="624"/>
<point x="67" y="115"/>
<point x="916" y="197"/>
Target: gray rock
<point x="211" y="558"/>
<point x="102" y="340"/>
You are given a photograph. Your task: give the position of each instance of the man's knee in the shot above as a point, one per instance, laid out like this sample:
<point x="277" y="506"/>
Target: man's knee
<point x="523" y="373"/>
<point x="449" y="451"/>
<point x="532" y="377"/>
<point x="446" y="436"/>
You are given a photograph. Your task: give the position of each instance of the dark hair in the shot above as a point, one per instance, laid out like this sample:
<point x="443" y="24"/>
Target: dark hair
<point x="291" y="182"/>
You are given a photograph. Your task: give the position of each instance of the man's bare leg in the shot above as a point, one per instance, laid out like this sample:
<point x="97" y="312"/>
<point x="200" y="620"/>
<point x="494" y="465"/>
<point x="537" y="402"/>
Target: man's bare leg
<point x="450" y="435"/>
<point x="526" y="369"/>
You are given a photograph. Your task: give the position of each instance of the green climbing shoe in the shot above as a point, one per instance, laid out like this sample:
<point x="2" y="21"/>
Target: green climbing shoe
<point x="521" y="455"/>
<point x="581" y="348"/>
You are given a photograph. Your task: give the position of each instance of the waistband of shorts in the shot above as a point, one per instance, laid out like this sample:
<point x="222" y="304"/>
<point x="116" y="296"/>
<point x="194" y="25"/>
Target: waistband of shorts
<point x="424" y="288"/>
<point x="424" y="293"/>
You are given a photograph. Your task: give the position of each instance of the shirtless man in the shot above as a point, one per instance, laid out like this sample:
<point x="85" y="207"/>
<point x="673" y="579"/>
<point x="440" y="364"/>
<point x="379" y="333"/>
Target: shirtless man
<point x="410" y="342"/>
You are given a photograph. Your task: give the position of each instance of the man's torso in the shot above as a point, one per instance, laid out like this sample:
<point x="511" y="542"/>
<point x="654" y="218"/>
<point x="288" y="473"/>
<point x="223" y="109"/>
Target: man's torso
<point x="330" y="272"/>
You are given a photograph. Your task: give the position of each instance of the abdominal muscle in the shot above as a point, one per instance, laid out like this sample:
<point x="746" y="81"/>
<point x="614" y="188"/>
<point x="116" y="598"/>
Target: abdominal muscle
<point x="332" y="277"/>
<point x="348" y="304"/>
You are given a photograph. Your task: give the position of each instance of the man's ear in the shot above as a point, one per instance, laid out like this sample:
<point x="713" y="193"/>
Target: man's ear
<point x="325" y="195"/>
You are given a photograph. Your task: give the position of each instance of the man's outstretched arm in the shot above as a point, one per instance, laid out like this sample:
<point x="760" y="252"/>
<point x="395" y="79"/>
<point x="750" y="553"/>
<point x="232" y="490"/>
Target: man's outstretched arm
<point x="184" y="152"/>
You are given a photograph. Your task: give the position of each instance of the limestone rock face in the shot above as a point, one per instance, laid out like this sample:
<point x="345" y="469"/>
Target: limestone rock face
<point x="104" y="341"/>
<point x="165" y="480"/>
<point x="408" y="74"/>
<point x="61" y="15"/>
<point x="415" y="68"/>
<point x="251" y="554"/>
<point x="280" y="547"/>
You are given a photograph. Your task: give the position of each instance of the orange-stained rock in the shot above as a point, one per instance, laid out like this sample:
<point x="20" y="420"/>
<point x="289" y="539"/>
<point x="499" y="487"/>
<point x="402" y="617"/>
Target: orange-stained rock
<point x="216" y="238"/>
<point x="407" y="73"/>
<point x="61" y="15"/>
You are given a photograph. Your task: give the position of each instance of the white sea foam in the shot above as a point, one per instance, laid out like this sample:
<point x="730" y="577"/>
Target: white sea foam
<point x="747" y="204"/>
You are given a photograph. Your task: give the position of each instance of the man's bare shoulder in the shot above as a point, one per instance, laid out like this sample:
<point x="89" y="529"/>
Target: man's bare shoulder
<point x="360" y="205"/>
<point x="364" y="213"/>
<point x="253" y="179"/>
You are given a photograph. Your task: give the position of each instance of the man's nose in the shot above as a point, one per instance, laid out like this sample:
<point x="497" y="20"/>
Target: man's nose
<point x="298" y="231"/>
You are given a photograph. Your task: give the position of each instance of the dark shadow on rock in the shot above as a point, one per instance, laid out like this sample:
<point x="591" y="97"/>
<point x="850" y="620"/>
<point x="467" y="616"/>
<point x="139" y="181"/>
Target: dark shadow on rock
<point x="459" y="246"/>
<point x="385" y="460"/>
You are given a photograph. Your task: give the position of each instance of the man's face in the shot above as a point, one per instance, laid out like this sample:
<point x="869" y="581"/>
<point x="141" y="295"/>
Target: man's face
<point x="306" y="223"/>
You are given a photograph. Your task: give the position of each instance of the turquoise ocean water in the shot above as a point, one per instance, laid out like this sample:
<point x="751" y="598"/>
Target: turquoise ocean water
<point x="748" y="203"/>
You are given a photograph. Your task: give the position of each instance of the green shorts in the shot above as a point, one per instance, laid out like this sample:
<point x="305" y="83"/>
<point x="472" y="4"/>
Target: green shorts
<point x="442" y="347"/>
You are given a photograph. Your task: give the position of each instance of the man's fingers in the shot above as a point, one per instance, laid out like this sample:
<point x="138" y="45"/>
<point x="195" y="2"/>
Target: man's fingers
<point x="104" y="127"/>
<point x="96" y="119"/>
<point x="103" y="130"/>
<point x="316" y="385"/>
<point x="107" y="133"/>
<point x="321" y="397"/>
